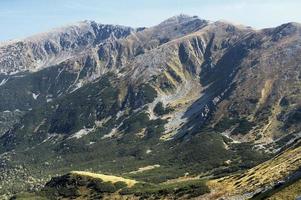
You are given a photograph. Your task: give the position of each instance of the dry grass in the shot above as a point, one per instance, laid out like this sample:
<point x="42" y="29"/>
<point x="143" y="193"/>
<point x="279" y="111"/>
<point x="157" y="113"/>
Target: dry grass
<point x="267" y="173"/>
<point x="289" y="193"/>
<point x="106" y="178"/>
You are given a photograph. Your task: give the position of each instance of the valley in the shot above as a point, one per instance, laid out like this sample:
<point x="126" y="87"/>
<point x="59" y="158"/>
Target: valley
<point x="185" y="109"/>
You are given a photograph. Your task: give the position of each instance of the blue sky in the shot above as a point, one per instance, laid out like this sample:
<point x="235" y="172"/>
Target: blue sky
<point x="21" y="18"/>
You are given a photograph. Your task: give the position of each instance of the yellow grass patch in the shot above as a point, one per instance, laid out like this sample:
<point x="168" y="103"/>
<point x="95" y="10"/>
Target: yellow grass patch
<point x="106" y="178"/>
<point x="291" y="192"/>
<point x="170" y="79"/>
<point x="266" y="173"/>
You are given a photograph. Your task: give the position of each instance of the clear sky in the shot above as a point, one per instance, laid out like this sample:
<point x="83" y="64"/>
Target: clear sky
<point x="21" y="18"/>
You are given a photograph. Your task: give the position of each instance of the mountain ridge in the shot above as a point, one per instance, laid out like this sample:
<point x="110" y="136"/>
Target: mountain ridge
<point x="189" y="96"/>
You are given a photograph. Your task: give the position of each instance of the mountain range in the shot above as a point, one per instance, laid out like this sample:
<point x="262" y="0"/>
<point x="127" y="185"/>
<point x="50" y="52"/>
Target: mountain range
<point x="188" y="108"/>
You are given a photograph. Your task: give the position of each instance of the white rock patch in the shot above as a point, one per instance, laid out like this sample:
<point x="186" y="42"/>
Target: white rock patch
<point x="110" y="135"/>
<point x="35" y="96"/>
<point x="82" y="133"/>
<point x="142" y="169"/>
<point x="3" y="82"/>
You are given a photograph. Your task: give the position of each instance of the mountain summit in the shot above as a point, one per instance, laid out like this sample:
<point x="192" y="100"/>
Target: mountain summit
<point x="168" y="107"/>
<point x="56" y="46"/>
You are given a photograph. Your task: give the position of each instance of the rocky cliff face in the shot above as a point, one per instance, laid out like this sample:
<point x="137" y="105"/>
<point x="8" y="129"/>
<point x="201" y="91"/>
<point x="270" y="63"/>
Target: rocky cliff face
<point x="51" y="48"/>
<point x="188" y="95"/>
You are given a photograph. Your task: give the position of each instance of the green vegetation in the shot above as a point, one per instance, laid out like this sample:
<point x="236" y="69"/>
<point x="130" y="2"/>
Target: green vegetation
<point x="48" y="127"/>
<point x="104" y="125"/>
<point x="205" y="151"/>
<point x="224" y="124"/>
<point x="146" y="93"/>
<point x="119" y="185"/>
<point x="243" y="126"/>
<point x="188" y="189"/>
<point x="138" y="121"/>
<point x="155" y="128"/>
<point x="284" y="102"/>
<point x="18" y="91"/>
<point x="289" y="191"/>
<point x="74" y="186"/>
<point x="160" y="110"/>
<point x="135" y="123"/>
<point x="174" y="75"/>
<point x="294" y="117"/>
<point x="102" y="187"/>
<point x="28" y="196"/>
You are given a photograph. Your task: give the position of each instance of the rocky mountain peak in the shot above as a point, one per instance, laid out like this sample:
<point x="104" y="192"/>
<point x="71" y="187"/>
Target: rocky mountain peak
<point x="181" y="19"/>
<point x="287" y="29"/>
<point x="60" y="44"/>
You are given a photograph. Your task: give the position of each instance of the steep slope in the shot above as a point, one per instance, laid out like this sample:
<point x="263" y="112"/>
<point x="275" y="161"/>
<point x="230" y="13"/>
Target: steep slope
<point x="53" y="47"/>
<point x="264" y="180"/>
<point x="274" y="74"/>
<point x="290" y="192"/>
<point x="63" y="59"/>
<point x="188" y="96"/>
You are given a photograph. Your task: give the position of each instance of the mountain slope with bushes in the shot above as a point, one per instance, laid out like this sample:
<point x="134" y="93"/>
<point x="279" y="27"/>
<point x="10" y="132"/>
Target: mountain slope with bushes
<point x="191" y="97"/>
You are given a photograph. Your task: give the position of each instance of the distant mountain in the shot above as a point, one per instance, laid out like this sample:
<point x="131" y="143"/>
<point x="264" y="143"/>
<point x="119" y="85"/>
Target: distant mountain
<point x="51" y="48"/>
<point x="182" y="99"/>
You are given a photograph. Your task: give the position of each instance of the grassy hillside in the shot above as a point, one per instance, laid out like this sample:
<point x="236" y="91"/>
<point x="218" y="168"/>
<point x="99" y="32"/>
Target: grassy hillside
<point x="87" y="185"/>
<point x="281" y="169"/>
<point x="290" y="192"/>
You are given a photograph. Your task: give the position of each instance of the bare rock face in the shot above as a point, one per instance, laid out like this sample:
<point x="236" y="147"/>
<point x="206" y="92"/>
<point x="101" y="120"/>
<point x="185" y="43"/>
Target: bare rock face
<point x="46" y="49"/>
